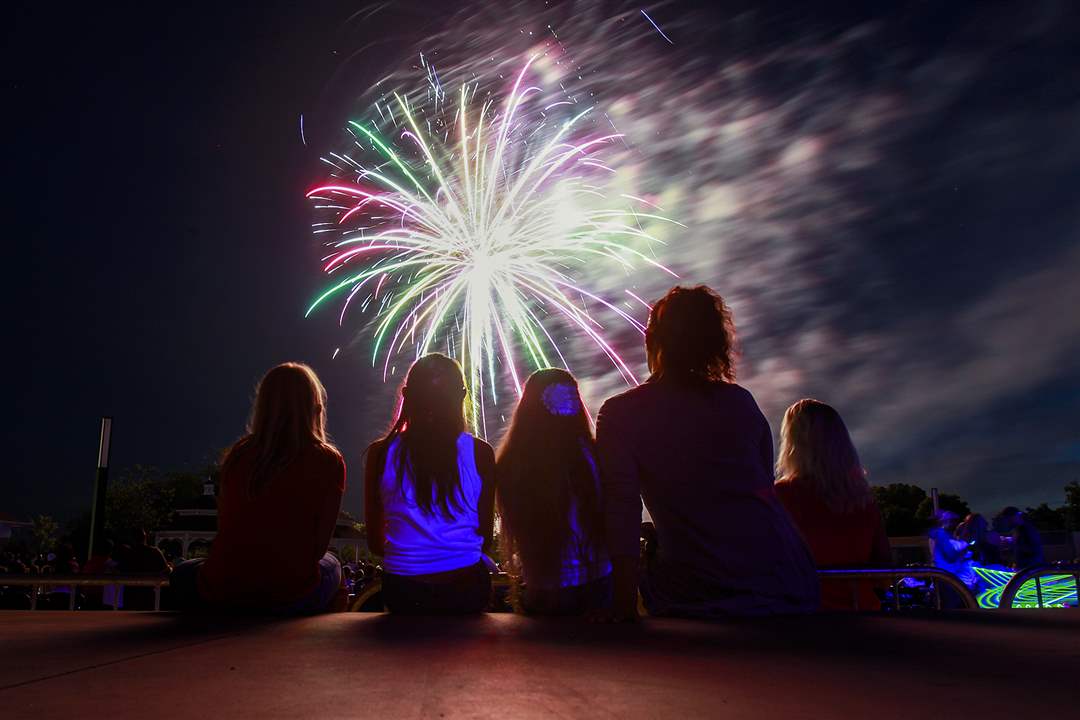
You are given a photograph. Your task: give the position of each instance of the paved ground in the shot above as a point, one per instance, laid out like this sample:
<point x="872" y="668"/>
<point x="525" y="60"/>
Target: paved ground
<point x="127" y="665"/>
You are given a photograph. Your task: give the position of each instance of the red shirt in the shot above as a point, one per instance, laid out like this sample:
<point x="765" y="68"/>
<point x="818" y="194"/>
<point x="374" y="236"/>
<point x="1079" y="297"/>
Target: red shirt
<point x="268" y="546"/>
<point x="839" y="540"/>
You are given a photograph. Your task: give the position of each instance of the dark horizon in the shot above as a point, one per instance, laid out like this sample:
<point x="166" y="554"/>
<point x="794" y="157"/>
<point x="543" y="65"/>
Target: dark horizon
<point x="164" y="259"/>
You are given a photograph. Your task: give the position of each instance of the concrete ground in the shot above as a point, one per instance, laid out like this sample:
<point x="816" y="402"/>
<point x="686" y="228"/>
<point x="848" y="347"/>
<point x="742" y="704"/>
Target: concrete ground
<point x="142" y="665"/>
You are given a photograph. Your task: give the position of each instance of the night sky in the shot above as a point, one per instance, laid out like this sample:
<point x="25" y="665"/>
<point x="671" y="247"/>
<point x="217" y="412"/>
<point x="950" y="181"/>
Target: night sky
<point x="163" y="257"/>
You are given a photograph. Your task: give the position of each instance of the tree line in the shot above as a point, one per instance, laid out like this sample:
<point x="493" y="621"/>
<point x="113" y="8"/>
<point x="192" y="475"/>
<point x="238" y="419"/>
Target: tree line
<point x="144" y="497"/>
<point x="908" y="509"/>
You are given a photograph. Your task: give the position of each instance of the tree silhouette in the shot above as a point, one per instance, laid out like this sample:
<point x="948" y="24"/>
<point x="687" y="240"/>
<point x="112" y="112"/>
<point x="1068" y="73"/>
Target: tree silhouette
<point x="899" y="503"/>
<point x="44" y="530"/>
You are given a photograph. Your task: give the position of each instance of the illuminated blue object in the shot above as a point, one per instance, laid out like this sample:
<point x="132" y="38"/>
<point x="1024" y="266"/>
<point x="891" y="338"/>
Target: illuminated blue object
<point x="561" y="399"/>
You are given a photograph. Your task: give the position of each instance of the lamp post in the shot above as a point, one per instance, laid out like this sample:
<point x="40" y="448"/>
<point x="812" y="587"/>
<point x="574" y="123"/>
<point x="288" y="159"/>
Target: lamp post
<point x="101" y="486"/>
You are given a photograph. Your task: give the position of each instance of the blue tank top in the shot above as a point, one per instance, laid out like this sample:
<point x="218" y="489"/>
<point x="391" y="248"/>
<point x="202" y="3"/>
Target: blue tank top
<point x="418" y="543"/>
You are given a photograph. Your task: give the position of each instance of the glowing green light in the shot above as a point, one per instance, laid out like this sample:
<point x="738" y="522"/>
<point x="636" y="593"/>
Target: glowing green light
<point x="1057" y="590"/>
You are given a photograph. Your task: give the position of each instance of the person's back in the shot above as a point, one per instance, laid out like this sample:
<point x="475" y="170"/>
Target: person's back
<point x="269" y="544"/>
<point x="281" y="490"/>
<point x="429" y="496"/>
<point x="549" y="499"/>
<point x="146" y="558"/>
<point x="419" y="542"/>
<point x="984" y="542"/>
<point x="704" y="457"/>
<point x="822" y="484"/>
<point x="853" y="539"/>
<point x="142" y="559"/>
<point x="1027" y="544"/>
<point x="695" y="447"/>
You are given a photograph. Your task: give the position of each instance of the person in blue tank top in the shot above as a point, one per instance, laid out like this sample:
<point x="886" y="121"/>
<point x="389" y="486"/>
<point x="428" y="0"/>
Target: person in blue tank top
<point x="429" y="492"/>
<point x="549" y="499"/>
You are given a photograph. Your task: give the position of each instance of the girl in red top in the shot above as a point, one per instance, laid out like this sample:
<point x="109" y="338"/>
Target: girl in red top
<point x="281" y="489"/>
<point x="823" y="486"/>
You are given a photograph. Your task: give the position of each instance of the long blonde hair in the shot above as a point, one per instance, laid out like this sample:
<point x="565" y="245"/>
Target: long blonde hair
<point x="816" y="451"/>
<point x="289" y="414"/>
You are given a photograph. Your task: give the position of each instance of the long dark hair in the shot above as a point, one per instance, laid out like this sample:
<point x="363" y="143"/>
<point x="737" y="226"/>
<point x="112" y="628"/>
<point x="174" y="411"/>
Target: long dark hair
<point x="546" y="465"/>
<point x="288" y="415"/>
<point x="691" y="336"/>
<point x="431" y="419"/>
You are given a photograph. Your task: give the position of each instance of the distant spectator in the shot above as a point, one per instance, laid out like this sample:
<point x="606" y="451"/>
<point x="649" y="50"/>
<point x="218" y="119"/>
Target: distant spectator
<point x="143" y="559"/>
<point x="429" y="490"/>
<point x="1027" y="546"/>
<point x="549" y="498"/>
<point x="984" y="542"/>
<point x="146" y="558"/>
<point x="949" y="553"/>
<point x="96" y="565"/>
<point x="696" y="448"/>
<point x="66" y="562"/>
<point x="281" y="489"/>
<point x="823" y="486"/>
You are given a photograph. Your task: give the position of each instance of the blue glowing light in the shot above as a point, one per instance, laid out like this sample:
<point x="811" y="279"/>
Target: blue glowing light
<point x="561" y="399"/>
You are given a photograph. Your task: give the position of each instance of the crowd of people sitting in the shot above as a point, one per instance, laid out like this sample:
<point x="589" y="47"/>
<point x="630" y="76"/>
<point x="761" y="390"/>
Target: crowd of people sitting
<point x="732" y="532"/>
<point x="1010" y="542"/>
<point x="135" y="557"/>
<point x="689" y="443"/>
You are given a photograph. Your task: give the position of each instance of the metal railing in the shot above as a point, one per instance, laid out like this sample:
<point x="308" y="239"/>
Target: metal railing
<point x="894" y="575"/>
<point x="38" y="583"/>
<point x="1037" y="573"/>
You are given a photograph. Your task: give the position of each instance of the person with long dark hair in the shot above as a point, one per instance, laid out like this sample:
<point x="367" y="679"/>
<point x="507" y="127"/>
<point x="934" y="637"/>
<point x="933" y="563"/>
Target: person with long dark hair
<point x="429" y="498"/>
<point x="549" y="501"/>
<point x="694" y="446"/>
<point x="281" y="490"/>
<point x="984" y="541"/>
<point x="823" y="485"/>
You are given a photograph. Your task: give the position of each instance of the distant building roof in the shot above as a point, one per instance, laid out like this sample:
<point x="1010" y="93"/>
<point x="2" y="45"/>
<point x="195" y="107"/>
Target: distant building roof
<point x="206" y="501"/>
<point x="198" y="515"/>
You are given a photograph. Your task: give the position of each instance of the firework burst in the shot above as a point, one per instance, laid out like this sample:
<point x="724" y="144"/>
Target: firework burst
<point x="464" y="223"/>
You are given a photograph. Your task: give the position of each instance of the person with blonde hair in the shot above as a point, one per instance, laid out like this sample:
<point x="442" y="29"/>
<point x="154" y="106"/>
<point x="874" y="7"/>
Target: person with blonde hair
<point x="281" y="490"/>
<point x="823" y="486"/>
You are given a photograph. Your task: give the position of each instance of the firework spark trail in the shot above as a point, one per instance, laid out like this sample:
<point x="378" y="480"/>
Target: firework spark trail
<point x="475" y="222"/>
<point x="1056" y="590"/>
<point x="787" y="148"/>
<point x="653" y="23"/>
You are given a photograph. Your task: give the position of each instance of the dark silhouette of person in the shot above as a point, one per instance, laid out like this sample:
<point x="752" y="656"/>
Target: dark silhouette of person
<point x="549" y="499"/>
<point x="142" y="559"/>
<point x="281" y="490"/>
<point x="429" y="491"/>
<point x="1026" y="541"/>
<point x="693" y="445"/>
<point x="823" y="485"/>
